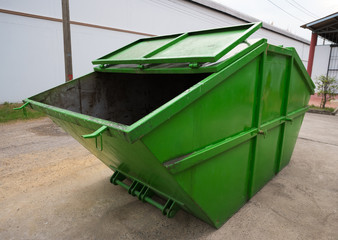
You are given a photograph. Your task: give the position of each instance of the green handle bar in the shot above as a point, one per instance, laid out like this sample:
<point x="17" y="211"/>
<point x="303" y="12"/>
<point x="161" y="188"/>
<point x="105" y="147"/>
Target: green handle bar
<point x="95" y="134"/>
<point x="23" y="107"/>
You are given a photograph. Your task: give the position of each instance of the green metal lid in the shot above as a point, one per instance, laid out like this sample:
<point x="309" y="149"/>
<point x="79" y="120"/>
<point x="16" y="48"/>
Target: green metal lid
<point x="193" y="47"/>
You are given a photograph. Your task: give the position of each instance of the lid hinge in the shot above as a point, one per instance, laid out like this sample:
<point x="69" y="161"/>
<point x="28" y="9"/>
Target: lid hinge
<point x="194" y="65"/>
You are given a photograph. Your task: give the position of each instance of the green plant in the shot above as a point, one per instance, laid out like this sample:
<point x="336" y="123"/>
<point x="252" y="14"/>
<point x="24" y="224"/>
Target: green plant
<point x="327" y="88"/>
<point x="8" y="114"/>
<point x="329" y="109"/>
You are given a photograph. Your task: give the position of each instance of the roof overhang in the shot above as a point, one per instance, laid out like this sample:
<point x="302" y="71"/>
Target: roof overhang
<point x="326" y="27"/>
<point x="247" y="19"/>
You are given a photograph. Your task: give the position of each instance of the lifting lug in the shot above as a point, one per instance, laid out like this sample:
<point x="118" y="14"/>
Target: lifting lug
<point x="262" y="132"/>
<point x="23" y="107"/>
<point x="97" y="133"/>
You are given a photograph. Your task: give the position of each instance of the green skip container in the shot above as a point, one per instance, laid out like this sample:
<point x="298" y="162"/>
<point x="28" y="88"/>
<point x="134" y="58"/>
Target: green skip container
<point x="199" y="121"/>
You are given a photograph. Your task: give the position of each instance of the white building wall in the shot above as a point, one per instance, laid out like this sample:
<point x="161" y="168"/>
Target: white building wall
<point x="320" y="61"/>
<point x="32" y="49"/>
<point x="89" y="44"/>
<point x="50" y="8"/>
<point x="31" y="56"/>
<point x="165" y="17"/>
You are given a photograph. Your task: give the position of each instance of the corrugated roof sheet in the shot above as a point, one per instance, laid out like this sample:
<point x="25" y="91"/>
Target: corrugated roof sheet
<point x="326" y="27"/>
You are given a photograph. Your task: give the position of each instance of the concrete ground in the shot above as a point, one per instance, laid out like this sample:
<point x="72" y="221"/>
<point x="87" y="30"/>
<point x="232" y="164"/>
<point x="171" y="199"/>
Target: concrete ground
<point x="52" y="188"/>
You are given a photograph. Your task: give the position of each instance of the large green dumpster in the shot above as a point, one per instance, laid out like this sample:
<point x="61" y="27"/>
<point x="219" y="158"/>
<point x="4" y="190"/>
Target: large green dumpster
<point x="199" y="121"/>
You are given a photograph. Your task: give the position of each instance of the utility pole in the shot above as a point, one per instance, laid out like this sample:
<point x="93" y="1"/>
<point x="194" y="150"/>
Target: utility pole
<point x="67" y="41"/>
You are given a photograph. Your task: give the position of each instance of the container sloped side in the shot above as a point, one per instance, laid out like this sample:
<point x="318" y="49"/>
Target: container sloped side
<point x="136" y="161"/>
<point x="301" y="87"/>
<point x="215" y="176"/>
<point x="133" y="159"/>
<point x="281" y="100"/>
<point x="230" y="142"/>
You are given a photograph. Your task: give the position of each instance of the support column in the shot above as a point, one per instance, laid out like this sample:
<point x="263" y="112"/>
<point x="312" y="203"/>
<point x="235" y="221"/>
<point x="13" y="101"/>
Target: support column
<point x="312" y="52"/>
<point x="66" y="41"/>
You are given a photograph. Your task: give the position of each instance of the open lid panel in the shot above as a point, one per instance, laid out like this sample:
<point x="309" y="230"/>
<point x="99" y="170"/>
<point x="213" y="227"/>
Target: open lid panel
<point x="193" y="47"/>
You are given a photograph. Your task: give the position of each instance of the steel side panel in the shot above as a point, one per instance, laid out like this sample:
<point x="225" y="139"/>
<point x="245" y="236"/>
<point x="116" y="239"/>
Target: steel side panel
<point x="299" y="95"/>
<point x="266" y="159"/>
<point x="224" y="111"/>
<point x="290" y="139"/>
<point x="219" y="185"/>
<point x="273" y="85"/>
<point x="267" y="148"/>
